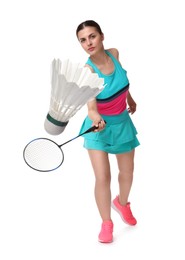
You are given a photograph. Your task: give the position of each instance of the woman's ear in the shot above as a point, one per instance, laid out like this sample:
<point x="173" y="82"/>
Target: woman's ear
<point x="102" y="37"/>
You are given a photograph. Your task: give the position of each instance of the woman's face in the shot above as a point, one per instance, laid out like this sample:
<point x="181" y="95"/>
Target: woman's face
<point x="90" y="40"/>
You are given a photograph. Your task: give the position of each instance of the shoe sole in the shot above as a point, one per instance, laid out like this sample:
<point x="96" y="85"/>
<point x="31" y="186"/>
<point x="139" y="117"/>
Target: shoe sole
<point x="105" y="242"/>
<point x="115" y="208"/>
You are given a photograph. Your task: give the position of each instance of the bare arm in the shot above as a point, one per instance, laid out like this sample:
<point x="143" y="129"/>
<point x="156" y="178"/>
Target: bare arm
<point x="95" y="116"/>
<point x="93" y="111"/>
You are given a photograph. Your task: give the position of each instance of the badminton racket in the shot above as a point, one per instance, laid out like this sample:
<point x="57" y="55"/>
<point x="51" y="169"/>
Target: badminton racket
<point x="45" y="155"/>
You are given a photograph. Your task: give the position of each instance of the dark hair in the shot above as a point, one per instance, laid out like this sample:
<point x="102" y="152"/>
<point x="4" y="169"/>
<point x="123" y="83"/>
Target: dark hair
<point x="88" y="23"/>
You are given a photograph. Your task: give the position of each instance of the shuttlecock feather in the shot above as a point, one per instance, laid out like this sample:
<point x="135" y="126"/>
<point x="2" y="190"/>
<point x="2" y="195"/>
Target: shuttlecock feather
<point x="72" y="86"/>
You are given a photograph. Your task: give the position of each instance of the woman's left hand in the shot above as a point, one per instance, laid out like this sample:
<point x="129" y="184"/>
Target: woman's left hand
<point x="132" y="108"/>
<point x="131" y="104"/>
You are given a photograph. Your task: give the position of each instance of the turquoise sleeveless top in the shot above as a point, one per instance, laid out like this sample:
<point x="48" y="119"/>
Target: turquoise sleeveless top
<point x="115" y="81"/>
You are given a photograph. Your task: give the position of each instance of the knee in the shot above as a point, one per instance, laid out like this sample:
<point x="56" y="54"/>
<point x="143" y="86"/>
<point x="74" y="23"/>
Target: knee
<point x="126" y="170"/>
<point x="125" y="175"/>
<point x="103" y="178"/>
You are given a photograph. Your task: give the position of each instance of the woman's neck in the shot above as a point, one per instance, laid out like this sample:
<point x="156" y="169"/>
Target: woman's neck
<point x="100" y="58"/>
<point x="103" y="62"/>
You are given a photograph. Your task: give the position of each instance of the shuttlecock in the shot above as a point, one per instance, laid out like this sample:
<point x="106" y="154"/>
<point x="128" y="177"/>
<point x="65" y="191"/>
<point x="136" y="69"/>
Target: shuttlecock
<point x="72" y="86"/>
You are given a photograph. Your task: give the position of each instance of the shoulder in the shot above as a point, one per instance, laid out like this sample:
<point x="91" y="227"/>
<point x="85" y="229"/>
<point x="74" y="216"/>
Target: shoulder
<point x="88" y="66"/>
<point x="114" y="52"/>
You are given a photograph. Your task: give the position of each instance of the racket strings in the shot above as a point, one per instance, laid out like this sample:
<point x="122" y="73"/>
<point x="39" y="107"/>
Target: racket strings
<point x="43" y="155"/>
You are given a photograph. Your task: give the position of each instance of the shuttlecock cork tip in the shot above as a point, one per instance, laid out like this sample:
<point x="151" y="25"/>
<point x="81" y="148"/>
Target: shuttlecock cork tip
<point x="53" y="126"/>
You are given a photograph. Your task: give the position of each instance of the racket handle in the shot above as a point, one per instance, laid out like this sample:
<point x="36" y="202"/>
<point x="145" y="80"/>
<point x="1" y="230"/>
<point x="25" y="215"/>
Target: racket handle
<point x="91" y="129"/>
<point x="87" y="131"/>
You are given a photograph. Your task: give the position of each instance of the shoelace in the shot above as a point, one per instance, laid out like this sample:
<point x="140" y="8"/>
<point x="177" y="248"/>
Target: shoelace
<point x="129" y="213"/>
<point x="107" y="226"/>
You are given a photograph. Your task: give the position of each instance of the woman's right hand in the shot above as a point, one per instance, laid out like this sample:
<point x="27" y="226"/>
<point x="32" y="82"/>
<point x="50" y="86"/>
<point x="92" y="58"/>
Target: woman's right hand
<point x="100" y="124"/>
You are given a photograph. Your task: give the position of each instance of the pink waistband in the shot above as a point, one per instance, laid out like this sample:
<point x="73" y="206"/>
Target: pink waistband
<point x="113" y="107"/>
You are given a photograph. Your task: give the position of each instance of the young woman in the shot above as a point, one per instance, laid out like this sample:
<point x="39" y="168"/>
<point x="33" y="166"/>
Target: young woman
<point x="116" y="133"/>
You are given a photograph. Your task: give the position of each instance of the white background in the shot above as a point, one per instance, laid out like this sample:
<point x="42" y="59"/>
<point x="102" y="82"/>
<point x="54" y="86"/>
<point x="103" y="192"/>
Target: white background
<point x="53" y="216"/>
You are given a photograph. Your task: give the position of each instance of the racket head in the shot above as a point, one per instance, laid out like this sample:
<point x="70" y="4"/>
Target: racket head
<point x="43" y="155"/>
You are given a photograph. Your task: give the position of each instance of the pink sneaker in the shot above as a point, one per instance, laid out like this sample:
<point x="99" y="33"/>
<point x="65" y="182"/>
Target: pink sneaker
<point x="124" y="211"/>
<point x="105" y="235"/>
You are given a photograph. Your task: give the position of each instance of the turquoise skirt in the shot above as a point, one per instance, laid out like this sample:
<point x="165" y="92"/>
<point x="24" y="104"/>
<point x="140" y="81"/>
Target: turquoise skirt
<point x="119" y="135"/>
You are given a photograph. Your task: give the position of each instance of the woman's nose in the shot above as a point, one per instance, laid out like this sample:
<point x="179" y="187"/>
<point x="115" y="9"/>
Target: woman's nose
<point x="89" y="42"/>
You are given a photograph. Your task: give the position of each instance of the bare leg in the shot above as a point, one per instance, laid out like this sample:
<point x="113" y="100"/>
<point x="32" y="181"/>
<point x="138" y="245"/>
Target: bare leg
<point x="101" y="167"/>
<point x="125" y="177"/>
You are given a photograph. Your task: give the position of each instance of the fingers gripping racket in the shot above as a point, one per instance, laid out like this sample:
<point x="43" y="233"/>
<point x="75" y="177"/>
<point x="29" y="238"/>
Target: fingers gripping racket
<point x="44" y="155"/>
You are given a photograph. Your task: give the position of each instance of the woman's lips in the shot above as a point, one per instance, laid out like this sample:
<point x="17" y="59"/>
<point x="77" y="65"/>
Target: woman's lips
<point x="91" y="49"/>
